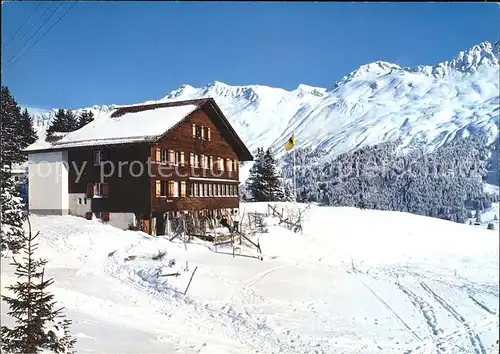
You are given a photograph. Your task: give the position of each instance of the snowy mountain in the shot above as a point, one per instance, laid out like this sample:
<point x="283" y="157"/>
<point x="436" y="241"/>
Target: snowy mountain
<point x="380" y="101"/>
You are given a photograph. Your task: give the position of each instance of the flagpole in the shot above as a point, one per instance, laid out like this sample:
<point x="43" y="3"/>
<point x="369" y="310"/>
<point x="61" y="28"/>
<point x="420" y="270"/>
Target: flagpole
<point x="294" y="183"/>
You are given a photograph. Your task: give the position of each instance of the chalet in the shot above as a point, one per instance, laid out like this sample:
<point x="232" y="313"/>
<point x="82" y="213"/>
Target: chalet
<point x="141" y="165"/>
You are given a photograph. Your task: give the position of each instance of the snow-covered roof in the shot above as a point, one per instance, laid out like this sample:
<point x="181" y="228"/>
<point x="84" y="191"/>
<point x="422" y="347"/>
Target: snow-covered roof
<point x="116" y="128"/>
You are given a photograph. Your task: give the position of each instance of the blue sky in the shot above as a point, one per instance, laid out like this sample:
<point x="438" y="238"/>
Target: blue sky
<point x="129" y="52"/>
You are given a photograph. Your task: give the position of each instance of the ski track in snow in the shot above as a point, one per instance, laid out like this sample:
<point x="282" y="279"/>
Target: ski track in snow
<point x="474" y="338"/>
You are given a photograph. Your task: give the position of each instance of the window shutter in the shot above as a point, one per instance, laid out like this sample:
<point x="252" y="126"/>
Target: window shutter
<point x="208" y="133"/>
<point x="158" y="187"/>
<point x="183" y="189"/>
<point x="90" y="190"/>
<point x="171" y="156"/>
<point x="202" y="163"/>
<point x="105" y="189"/>
<point x="191" y="159"/>
<point x="194" y="130"/>
<point x="182" y="158"/>
<point x="202" y="132"/>
<point x="211" y="162"/>
<point x="158" y="155"/>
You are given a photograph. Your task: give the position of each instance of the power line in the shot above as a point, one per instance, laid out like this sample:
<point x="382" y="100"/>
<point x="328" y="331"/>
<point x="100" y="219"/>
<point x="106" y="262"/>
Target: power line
<point x="38" y="30"/>
<point x="19" y="28"/>
<point x="36" y="23"/>
<point x="47" y="31"/>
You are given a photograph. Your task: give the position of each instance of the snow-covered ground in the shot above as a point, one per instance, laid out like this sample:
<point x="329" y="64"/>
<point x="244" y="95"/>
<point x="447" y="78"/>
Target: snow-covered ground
<point x="354" y="281"/>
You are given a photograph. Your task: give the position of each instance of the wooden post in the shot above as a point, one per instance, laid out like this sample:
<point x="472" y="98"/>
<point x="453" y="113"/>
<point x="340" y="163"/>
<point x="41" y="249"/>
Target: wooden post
<point x="192" y="275"/>
<point x="184" y="231"/>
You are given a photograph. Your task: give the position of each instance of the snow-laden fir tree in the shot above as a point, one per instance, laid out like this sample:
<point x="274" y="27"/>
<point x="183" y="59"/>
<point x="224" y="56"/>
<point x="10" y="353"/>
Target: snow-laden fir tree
<point x="478" y="216"/>
<point x="265" y="182"/>
<point x="12" y="214"/>
<point x="85" y="118"/>
<point x="26" y="130"/>
<point x="255" y="183"/>
<point x="39" y="324"/>
<point x="275" y="189"/>
<point x="11" y="141"/>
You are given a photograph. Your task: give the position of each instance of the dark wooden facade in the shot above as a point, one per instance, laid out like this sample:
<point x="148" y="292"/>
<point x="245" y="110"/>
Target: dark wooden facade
<point x="125" y="192"/>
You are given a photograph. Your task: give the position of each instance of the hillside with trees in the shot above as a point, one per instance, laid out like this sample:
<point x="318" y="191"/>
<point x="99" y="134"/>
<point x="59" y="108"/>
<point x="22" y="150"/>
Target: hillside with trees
<point x="447" y="183"/>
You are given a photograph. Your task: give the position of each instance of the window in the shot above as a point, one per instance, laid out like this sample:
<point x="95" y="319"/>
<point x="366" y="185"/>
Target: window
<point x="161" y="188"/>
<point x="235" y="165"/>
<point x="183" y="189"/>
<point x="208" y="135"/>
<point x="97" y="190"/>
<point x="211" y="162"/>
<point x="205" y="162"/>
<point x="196" y="161"/>
<point x="173" y="189"/>
<point x="79" y="201"/>
<point x="198" y="134"/>
<point x="98" y="158"/>
<point x="85" y="201"/>
<point x="164" y="156"/>
<point x="191" y="190"/>
<point x="229" y="165"/>
<point x="195" y="189"/>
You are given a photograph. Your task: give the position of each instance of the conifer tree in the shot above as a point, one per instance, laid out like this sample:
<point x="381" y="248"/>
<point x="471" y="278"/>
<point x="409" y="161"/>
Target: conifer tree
<point x="26" y="129"/>
<point x="265" y="182"/>
<point x="58" y="124"/>
<point x="39" y="325"/>
<point x="255" y="183"/>
<point x="85" y="118"/>
<point x="11" y="232"/>
<point x="478" y="216"/>
<point x="71" y="121"/>
<point x="11" y="142"/>
<point x="274" y="190"/>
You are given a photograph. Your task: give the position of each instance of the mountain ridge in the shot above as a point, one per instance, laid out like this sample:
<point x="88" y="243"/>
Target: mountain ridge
<point x="377" y="102"/>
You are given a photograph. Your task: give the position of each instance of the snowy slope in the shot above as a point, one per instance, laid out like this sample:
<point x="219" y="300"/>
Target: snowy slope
<point x="377" y="102"/>
<point x="393" y="283"/>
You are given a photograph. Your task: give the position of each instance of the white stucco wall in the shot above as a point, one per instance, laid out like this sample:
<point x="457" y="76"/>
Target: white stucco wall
<point x="121" y="220"/>
<point x="48" y="183"/>
<point x="79" y="209"/>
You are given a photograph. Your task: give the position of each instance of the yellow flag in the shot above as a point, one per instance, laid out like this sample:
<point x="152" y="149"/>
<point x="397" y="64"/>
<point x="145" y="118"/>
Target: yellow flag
<point x="290" y="144"/>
